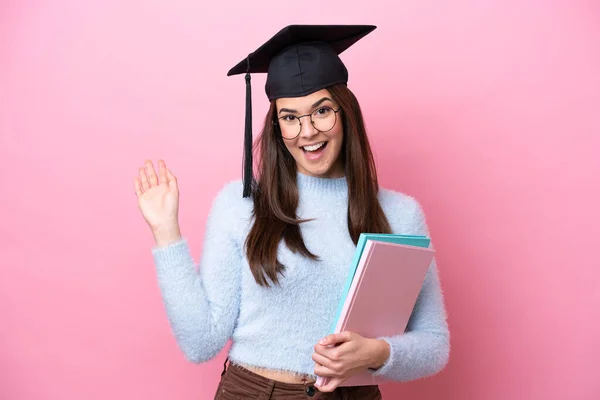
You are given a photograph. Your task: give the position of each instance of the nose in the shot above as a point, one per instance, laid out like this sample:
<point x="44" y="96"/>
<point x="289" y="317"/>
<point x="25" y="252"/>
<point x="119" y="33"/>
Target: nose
<point x="307" y="130"/>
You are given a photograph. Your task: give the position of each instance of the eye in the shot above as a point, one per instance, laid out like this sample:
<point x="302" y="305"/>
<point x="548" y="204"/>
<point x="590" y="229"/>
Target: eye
<point x="288" y="118"/>
<point x="322" y="112"/>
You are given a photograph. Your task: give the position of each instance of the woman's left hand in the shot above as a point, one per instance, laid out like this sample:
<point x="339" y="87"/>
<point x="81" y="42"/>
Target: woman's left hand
<point x="342" y="355"/>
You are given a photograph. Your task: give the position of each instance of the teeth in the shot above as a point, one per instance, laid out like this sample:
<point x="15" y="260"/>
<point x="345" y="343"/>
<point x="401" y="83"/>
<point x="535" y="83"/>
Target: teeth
<point x="314" y="147"/>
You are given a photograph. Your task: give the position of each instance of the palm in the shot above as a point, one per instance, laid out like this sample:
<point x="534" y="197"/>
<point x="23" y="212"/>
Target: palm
<point x="158" y="196"/>
<point x="159" y="204"/>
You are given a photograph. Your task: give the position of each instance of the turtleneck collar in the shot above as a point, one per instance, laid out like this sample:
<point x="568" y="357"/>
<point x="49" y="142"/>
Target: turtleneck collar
<point x="308" y="183"/>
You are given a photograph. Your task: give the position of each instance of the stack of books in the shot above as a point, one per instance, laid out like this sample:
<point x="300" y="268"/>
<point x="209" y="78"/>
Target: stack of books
<point x="384" y="281"/>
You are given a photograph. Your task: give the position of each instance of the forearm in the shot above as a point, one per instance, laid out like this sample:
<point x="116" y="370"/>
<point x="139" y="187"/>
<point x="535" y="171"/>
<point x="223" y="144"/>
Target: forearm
<point x="198" y="333"/>
<point x="415" y="355"/>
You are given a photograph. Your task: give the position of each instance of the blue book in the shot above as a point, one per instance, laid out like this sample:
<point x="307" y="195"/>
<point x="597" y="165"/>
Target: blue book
<point x="409" y="240"/>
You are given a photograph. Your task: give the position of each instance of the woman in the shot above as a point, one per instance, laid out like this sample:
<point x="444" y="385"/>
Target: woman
<point x="277" y="249"/>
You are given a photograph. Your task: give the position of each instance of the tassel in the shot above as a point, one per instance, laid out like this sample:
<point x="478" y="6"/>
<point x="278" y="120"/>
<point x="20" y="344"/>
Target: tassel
<point x="247" y="163"/>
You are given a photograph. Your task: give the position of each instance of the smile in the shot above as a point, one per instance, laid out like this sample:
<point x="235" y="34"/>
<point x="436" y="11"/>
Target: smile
<point x="314" y="147"/>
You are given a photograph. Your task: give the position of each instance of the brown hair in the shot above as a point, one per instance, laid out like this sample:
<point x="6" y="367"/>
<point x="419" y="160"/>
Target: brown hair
<point x="276" y="194"/>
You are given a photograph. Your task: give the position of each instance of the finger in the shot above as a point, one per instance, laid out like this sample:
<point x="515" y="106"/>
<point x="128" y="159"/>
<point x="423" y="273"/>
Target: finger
<point x="323" y="350"/>
<point x="144" y="179"/>
<point x="162" y="171"/>
<point x="138" y="186"/>
<point x="324" y="362"/>
<point x="152" y="178"/>
<point x="172" y="180"/>
<point x="331" y="385"/>
<point x="335" y="338"/>
<point x="324" y="372"/>
<point x="334" y="353"/>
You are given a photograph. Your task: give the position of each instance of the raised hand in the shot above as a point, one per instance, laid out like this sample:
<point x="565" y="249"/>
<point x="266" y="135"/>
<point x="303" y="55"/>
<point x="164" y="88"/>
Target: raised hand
<point x="158" y="201"/>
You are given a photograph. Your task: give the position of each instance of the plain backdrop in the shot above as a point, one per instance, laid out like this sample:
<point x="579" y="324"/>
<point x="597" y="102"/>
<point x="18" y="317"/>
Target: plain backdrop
<point x="486" y="111"/>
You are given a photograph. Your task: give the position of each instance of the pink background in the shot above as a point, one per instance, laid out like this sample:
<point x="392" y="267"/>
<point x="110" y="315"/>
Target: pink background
<point x="486" y="111"/>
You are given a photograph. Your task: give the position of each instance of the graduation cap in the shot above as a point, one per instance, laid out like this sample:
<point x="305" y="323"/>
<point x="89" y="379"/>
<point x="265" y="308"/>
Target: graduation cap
<point x="298" y="60"/>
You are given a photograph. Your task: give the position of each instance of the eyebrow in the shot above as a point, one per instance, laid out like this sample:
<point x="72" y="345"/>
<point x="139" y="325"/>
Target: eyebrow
<point x="289" y="110"/>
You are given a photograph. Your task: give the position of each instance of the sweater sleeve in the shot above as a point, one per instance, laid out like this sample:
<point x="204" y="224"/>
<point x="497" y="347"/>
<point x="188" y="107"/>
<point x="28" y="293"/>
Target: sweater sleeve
<point x="202" y="304"/>
<point x="424" y="348"/>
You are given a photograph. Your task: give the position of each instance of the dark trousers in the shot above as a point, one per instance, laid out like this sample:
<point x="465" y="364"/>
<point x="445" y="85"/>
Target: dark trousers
<point x="240" y="383"/>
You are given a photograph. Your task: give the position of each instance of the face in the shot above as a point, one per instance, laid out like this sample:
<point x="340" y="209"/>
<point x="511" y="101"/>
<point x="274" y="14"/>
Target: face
<point x="317" y="152"/>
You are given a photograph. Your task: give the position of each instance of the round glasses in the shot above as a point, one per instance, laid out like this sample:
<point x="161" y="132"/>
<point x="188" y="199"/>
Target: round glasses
<point x="323" y="119"/>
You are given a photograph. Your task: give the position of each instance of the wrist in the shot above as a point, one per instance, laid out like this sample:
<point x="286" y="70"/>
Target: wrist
<point x="381" y="353"/>
<point x="166" y="235"/>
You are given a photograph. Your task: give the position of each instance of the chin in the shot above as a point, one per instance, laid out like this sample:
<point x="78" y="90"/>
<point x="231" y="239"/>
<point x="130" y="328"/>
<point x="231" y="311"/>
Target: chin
<point x="320" y="171"/>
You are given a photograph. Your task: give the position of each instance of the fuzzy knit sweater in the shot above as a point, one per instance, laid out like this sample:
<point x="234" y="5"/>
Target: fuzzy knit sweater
<point x="277" y="327"/>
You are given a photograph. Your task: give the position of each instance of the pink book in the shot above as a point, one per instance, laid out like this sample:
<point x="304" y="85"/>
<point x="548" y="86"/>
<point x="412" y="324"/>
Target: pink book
<point x="382" y="296"/>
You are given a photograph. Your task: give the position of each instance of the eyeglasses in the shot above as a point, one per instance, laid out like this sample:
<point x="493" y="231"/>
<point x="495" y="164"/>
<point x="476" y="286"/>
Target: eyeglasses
<point x="323" y="119"/>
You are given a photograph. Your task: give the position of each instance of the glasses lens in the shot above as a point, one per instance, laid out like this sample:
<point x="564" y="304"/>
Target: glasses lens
<point x="323" y="119"/>
<point x="290" y="126"/>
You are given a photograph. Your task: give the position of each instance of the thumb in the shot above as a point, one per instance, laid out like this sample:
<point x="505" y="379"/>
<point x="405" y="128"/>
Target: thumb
<point x="172" y="180"/>
<point x="330" y="386"/>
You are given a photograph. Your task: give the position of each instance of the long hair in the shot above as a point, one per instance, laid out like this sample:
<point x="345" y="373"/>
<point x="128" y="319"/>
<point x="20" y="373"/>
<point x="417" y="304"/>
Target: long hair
<point x="276" y="193"/>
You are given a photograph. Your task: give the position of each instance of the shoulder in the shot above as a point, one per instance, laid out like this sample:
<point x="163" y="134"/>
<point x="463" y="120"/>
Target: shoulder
<point x="229" y="202"/>
<point x="397" y="201"/>
<point x="230" y="192"/>
<point x="404" y="212"/>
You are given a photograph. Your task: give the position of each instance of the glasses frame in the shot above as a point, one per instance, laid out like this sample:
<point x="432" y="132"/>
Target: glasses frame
<point x="276" y="123"/>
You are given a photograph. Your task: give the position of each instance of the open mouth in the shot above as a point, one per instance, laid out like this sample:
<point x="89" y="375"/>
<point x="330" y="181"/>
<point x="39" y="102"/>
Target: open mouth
<point x="318" y="147"/>
<point x="314" y="152"/>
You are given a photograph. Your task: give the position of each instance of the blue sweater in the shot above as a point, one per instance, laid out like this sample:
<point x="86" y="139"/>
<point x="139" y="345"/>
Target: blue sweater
<point x="277" y="327"/>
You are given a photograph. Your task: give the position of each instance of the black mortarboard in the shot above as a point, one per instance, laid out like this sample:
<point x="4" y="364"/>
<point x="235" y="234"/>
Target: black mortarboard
<point x="298" y="60"/>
